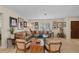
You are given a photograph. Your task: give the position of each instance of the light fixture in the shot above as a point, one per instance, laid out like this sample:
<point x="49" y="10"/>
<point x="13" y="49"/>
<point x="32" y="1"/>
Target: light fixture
<point x="45" y="13"/>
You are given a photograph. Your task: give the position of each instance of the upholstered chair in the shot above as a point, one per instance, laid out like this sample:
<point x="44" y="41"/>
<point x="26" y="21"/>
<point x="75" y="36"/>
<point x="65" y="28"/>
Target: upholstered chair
<point x="53" y="46"/>
<point x="20" y="35"/>
<point x="21" y="45"/>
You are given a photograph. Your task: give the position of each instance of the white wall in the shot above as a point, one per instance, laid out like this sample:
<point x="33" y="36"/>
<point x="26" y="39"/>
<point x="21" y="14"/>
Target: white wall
<point x="0" y="22"/>
<point x="47" y="21"/>
<point x="68" y="20"/>
<point x="5" y="24"/>
<point x="68" y="25"/>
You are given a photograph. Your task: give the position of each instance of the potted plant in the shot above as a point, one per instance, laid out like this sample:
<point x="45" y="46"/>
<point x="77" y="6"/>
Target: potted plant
<point x="12" y="32"/>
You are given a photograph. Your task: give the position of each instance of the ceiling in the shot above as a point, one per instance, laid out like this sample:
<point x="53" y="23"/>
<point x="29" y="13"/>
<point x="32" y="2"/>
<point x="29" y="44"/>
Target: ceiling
<point x="45" y="11"/>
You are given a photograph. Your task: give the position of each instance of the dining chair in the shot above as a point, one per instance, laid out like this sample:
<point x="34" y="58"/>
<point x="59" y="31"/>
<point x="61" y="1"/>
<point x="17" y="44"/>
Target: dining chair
<point x="21" y="45"/>
<point x="20" y="35"/>
<point x="54" y="47"/>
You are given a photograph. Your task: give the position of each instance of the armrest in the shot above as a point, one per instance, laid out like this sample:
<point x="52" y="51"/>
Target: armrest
<point x="47" y="46"/>
<point x="56" y="43"/>
<point x="28" y="42"/>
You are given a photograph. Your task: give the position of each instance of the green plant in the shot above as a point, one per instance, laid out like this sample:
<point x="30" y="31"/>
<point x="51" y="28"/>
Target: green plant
<point x="11" y="30"/>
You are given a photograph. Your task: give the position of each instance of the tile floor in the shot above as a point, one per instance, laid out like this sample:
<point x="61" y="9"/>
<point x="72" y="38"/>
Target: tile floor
<point x="68" y="46"/>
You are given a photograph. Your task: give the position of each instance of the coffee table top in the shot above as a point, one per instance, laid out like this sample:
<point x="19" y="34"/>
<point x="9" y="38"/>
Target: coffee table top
<point x="37" y="46"/>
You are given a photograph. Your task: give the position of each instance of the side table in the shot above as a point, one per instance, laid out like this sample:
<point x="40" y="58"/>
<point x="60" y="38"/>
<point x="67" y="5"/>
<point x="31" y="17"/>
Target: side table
<point x="10" y="39"/>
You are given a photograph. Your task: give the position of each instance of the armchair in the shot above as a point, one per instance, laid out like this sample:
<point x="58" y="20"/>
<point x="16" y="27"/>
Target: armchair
<point x="21" y="45"/>
<point x="53" y="47"/>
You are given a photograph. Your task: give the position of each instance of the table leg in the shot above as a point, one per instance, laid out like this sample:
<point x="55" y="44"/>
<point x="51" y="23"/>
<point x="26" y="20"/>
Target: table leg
<point x="44" y="44"/>
<point x="7" y="43"/>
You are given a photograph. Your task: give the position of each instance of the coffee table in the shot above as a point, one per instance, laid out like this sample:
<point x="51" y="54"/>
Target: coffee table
<point x="36" y="47"/>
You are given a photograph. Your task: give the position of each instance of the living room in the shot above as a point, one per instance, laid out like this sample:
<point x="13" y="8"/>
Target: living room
<point x="51" y="23"/>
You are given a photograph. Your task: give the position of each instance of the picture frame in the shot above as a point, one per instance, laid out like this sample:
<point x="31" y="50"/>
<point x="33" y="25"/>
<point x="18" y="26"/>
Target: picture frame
<point x="13" y="22"/>
<point x="54" y="25"/>
<point x="20" y="23"/>
<point x="61" y="24"/>
<point x="36" y="25"/>
<point x="25" y="24"/>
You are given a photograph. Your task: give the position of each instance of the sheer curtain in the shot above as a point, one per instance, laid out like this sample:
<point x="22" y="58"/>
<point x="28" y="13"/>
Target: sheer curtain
<point x="44" y="26"/>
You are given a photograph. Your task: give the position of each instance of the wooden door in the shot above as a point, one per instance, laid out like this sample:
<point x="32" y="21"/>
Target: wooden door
<point x="75" y="29"/>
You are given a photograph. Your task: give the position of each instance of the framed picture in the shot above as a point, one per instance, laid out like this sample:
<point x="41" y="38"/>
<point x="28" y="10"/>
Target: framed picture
<point x="61" y="24"/>
<point x="54" y="25"/>
<point x="36" y="25"/>
<point x="25" y="24"/>
<point x="13" y="22"/>
<point x="20" y="23"/>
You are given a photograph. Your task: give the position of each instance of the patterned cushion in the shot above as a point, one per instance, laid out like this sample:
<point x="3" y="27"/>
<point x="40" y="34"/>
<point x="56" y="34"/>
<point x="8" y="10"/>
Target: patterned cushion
<point x="20" y="43"/>
<point x="54" y="47"/>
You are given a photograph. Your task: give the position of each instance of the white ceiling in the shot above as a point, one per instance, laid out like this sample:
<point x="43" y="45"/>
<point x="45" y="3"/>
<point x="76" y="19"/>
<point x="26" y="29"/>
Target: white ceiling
<point x="38" y="11"/>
